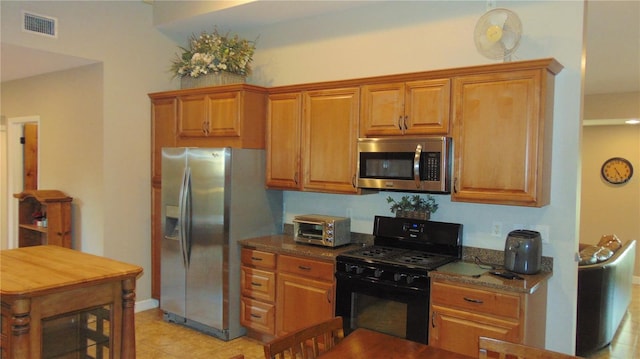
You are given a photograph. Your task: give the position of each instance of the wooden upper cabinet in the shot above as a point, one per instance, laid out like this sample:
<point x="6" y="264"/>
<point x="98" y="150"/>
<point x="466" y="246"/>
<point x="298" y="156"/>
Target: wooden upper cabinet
<point x="216" y="114"/>
<point x="502" y="126"/>
<point x="329" y="140"/>
<point x="406" y="108"/>
<point x="283" y="141"/>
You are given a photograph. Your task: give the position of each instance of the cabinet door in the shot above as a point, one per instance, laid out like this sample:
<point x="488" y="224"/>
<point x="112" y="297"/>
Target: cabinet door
<point x="192" y="116"/>
<point x="163" y="130"/>
<point x="223" y="118"/>
<point x="458" y="331"/>
<point x="498" y="134"/>
<point x="283" y="141"/>
<point x="426" y="108"/>
<point x="330" y="133"/>
<point x="382" y="110"/>
<point x="302" y="302"/>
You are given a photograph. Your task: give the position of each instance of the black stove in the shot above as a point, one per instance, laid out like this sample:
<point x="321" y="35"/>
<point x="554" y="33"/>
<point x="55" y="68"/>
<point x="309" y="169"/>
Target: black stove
<point x="385" y="286"/>
<point x="406" y="245"/>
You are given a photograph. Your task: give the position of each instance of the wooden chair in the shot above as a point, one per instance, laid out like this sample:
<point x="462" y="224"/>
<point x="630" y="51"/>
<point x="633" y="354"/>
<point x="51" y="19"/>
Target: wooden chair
<point x="506" y="350"/>
<point x="306" y="343"/>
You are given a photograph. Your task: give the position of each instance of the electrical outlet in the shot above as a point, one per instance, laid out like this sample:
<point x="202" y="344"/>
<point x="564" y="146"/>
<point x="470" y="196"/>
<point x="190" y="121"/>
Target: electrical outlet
<point x="496" y="229"/>
<point x="543" y="229"/>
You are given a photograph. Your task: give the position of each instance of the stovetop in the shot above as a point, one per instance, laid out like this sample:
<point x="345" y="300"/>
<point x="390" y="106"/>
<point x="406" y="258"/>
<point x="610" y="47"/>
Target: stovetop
<point x="407" y="243"/>
<point x="397" y="256"/>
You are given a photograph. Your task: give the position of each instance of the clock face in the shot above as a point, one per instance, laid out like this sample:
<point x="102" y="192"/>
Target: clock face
<point x="617" y="170"/>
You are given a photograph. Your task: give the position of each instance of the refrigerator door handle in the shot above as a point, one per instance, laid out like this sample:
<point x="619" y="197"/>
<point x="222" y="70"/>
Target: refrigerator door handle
<point x="184" y="228"/>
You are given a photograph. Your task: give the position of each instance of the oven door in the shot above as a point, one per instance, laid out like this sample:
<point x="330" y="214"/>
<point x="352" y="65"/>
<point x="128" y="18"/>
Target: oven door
<point x="384" y="307"/>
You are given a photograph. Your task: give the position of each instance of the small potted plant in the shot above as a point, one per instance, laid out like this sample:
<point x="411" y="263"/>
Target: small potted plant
<point x="414" y="206"/>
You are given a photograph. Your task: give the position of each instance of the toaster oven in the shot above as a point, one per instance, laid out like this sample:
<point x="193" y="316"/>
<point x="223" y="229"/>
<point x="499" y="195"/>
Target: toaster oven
<point x="328" y="231"/>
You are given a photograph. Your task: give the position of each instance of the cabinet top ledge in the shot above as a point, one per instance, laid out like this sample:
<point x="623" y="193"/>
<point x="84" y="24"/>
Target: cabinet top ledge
<point x="44" y="195"/>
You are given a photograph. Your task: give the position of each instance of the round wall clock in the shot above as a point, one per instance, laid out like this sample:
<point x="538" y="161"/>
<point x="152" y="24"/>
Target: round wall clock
<point x="617" y="170"/>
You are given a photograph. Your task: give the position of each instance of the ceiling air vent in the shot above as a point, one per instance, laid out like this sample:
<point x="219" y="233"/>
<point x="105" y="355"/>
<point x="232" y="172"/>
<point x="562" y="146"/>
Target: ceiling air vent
<point x="40" y="24"/>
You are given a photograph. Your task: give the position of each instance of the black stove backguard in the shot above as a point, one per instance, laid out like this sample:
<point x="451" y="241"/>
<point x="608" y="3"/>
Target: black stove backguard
<point x="429" y="236"/>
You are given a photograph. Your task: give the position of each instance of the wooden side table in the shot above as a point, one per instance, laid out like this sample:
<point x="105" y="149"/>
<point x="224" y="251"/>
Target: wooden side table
<point x="56" y="300"/>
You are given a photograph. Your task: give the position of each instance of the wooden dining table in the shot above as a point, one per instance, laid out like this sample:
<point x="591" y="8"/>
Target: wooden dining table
<point x="369" y="344"/>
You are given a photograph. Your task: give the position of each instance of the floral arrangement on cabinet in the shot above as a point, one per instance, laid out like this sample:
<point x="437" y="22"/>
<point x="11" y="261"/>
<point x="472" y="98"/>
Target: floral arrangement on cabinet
<point x="212" y="53"/>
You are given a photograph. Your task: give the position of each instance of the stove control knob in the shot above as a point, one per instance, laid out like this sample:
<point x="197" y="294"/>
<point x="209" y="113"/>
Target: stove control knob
<point x="378" y="273"/>
<point x="351" y="268"/>
<point x="399" y="276"/>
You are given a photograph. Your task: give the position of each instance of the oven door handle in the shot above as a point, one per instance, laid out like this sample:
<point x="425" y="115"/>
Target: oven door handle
<point x="416" y="165"/>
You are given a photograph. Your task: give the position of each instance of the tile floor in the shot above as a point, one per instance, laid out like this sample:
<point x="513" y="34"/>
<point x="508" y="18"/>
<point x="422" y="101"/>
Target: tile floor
<point x="156" y="339"/>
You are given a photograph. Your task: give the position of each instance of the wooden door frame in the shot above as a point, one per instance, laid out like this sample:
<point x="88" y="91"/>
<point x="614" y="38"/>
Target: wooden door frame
<point x="15" y="170"/>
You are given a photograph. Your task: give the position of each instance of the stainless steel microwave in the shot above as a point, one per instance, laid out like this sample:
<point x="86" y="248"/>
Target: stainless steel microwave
<point x="409" y="164"/>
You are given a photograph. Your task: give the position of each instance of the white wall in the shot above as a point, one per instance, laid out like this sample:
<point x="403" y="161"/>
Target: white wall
<point x="415" y="36"/>
<point x="607" y="208"/>
<point x="135" y="60"/>
<point x="70" y="142"/>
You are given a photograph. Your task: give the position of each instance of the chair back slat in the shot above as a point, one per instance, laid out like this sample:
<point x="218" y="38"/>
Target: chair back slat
<point x="306" y="343"/>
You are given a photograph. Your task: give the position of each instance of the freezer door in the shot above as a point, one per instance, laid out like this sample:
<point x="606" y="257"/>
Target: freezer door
<point x="207" y="263"/>
<point x="173" y="259"/>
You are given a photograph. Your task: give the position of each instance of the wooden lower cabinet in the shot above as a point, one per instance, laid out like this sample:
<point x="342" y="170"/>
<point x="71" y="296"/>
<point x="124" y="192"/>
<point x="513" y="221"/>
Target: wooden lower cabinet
<point x="283" y="293"/>
<point x="460" y="314"/>
<point x="302" y="302"/>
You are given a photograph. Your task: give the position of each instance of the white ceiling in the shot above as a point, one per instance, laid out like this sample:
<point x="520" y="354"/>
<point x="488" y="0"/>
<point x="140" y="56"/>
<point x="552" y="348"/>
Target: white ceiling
<point x="613" y="40"/>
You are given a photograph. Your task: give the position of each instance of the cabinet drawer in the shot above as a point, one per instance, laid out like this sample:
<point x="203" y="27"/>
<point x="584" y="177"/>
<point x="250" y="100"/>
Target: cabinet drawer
<point x="258" y="315"/>
<point x="256" y="258"/>
<point x="458" y="331"/>
<point x="306" y="267"/>
<point x="476" y="300"/>
<point x="258" y="284"/>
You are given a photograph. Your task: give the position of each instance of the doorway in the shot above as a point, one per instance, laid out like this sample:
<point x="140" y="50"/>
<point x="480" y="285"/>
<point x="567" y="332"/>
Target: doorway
<point x="22" y="167"/>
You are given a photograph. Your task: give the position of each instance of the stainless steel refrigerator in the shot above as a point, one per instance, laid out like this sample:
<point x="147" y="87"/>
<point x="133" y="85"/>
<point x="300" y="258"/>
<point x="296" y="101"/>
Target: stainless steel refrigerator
<point x="211" y="198"/>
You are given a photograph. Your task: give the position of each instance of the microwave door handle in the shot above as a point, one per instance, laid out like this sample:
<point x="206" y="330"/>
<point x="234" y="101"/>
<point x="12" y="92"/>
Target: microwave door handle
<point x="416" y="165"/>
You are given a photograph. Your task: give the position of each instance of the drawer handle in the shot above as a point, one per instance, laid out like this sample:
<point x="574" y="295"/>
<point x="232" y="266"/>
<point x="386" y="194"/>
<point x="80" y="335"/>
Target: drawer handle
<point x="256" y="284"/>
<point x="304" y="268"/>
<point x="478" y="301"/>
<point x="256" y="316"/>
<point x="256" y="258"/>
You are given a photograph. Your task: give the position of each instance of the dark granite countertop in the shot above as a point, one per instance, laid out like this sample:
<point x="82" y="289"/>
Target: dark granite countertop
<point x="471" y="273"/>
<point x="284" y="244"/>
<point x="465" y="271"/>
